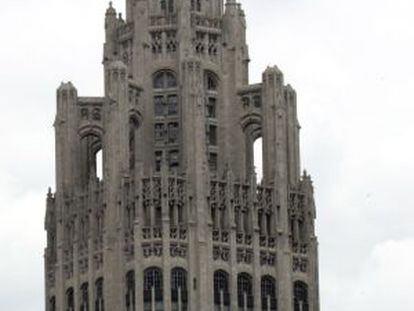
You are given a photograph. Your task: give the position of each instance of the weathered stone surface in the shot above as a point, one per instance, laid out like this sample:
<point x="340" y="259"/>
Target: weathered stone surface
<point x="176" y="219"/>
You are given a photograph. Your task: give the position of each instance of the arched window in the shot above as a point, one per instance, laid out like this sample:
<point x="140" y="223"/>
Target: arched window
<point x="84" y="297"/>
<point x="52" y="304"/>
<point x="91" y="158"/>
<point x="221" y="291"/>
<point x="99" y="295"/>
<point x="268" y="293"/>
<point x="130" y="291"/>
<point x="153" y="290"/>
<point x="179" y="295"/>
<point x="167" y="126"/>
<point x="70" y="300"/>
<point x="245" y="292"/>
<point x="300" y="295"/>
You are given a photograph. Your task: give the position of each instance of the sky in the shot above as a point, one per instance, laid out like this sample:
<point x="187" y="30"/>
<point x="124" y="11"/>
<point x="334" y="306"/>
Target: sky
<point x="351" y="63"/>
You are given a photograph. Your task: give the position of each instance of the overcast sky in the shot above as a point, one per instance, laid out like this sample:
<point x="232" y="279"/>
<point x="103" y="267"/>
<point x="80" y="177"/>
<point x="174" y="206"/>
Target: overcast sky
<point x="351" y="62"/>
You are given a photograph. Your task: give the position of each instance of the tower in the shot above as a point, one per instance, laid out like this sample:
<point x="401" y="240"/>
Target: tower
<point x="177" y="220"/>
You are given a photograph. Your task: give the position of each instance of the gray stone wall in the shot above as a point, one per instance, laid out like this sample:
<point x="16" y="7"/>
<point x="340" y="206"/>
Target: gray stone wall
<point x="178" y="221"/>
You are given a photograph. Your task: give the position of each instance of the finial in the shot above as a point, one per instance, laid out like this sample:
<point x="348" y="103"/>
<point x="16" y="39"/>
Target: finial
<point x="110" y="4"/>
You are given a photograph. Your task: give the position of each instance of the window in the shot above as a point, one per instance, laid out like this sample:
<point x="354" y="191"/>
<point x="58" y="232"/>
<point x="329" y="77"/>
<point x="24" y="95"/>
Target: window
<point x="211" y="82"/>
<point x="172" y="103"/>
<point x="268" y="293"/>
<point x="173" y="132"/>
<point x="179" y="293"/>
<point x="166" y="109"/>
<point x="52" y="304"/>
<point x="300" y="295"/>
<point x="212" y="135"/>
<point x="99" y="297"/>
<point x="221" y="291"/>
<point x="70" y="300"/>
<point x="245" y="292"/>
<point x="164" y="79"/>
<point x="174" y="159"/>
<point x="159" y="131"/>
<point x="211" y="107"/>
<point x="84" y="301"/>
<point x="196" y="5"/>
<point x="153" y="290"/>
<point x="257" y="101"/>
<point x="158" y="160"/>
<point x="167" y="6"/>
<point x="159" y="105"/>
<point x="212" y="162"/>
<point x="133" y="129"/>
<point x="130" y="291"/>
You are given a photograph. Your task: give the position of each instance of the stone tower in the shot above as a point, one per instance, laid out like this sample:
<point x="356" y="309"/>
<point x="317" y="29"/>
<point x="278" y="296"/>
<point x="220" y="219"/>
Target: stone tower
<point x="177" y="220"/>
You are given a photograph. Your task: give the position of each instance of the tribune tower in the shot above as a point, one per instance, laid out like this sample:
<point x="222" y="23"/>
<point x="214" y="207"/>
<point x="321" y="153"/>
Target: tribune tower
<point x="177" y="220"/>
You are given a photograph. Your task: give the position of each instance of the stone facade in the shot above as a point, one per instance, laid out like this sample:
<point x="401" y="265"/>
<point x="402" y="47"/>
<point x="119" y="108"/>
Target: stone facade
<point x="177" y="221"/>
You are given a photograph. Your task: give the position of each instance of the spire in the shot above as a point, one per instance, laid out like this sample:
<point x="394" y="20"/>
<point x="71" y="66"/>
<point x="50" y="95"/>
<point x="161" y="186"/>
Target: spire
<point x="110" y="10"/>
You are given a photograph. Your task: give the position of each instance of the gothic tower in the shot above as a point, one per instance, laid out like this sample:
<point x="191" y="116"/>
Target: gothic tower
<point x="177" y="220"/>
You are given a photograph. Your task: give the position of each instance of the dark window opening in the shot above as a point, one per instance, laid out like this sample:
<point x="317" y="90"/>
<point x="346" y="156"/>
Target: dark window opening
<point x="245" y="292"/>
<point x="174" y="160"/>
<point x="99" y="295"/>
<point x="212" y="135"/>
<point x="130" y="291"/>
<point x="300" y="295"/>
<point x="159" y="105"/>
<point x="212" y="162"/>
<point x="257" y="101"/>
<point x="52" y="304"/>
<point x="84" y="303"/>
<point x="153" y="290"/>
<point x="70" y="300"/>
<point x="211" y="107"/>
<point x="159" y="131"/>
<point x="172" y="103"/>
<point x="173" y="132"/>
<point x="179" y="295"/>
<point x="158" y="160"/>
<point x="221" y="291"/>
<point x="211" y="83"/>
<point x="268" y="293"/>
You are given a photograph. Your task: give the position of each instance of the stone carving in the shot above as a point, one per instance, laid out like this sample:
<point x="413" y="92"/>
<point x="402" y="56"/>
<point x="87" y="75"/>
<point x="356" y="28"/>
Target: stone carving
<point x="267" y="258"/>
<point x="221" y="253"/>
<point x="299" y="264"/>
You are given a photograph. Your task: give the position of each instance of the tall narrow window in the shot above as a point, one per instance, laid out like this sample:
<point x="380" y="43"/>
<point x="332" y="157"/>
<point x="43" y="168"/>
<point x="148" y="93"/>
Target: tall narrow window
<point x="166" y="109"/>
<point x="212" y="135"/>
<point x="153" y="290"/>
<point x="245" y="292"/>
<point x="70" y="300"/>
<point x="52" y="304"/>
<point x="211" y="107"/>
<point x="84" y="295"/>
<point x="300" y="295"/>
<point x="221" y="291"/>
<point x="268" y="293"/>
<point x="179" y="289"/>
<point x="99" y="297"/>
<point x="130" y="291"/>
<point x="133" y="132"/>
